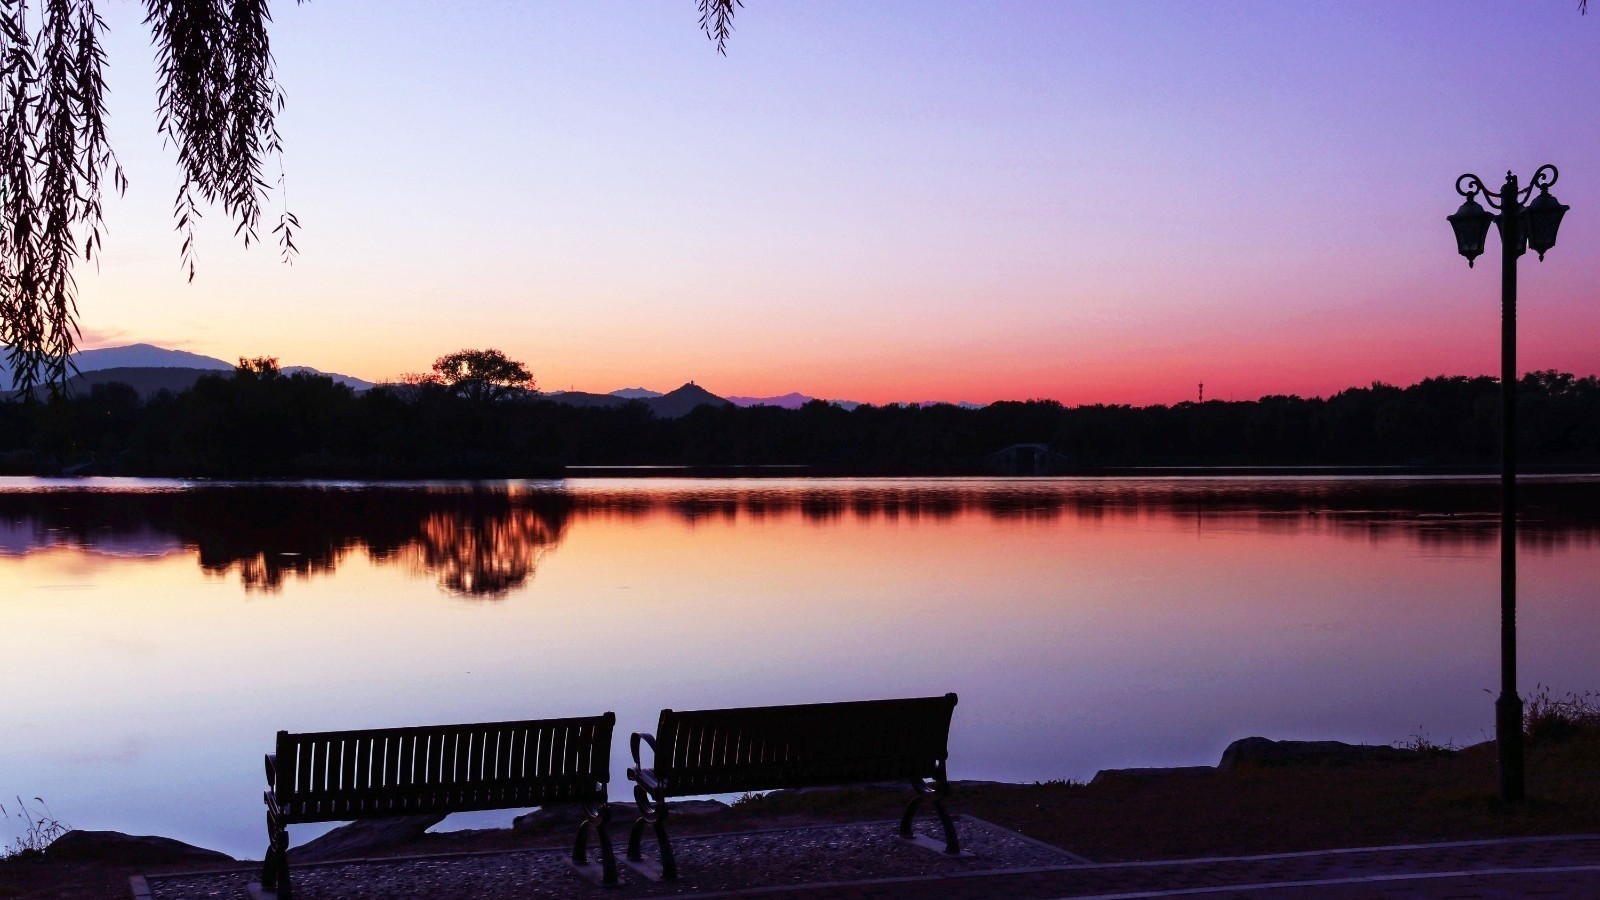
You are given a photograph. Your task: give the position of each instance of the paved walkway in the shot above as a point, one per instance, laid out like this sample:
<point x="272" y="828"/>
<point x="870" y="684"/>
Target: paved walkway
<point x="1005" y="865"/>
<point x="1552" y="867"/>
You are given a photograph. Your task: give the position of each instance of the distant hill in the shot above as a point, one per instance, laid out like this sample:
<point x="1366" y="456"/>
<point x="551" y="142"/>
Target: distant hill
<point x="147" y="380"/>
<point x="793" y="400"/>
<point x="350" y="381"/>
<point x="682" y="401"/>
<point x="672" y="405"/>
<point x="584" y="398"/>
<point x="151" y="380"/>
<point x="145" y="356"/>
<point x="149" y="356"/>
<point x="637" y="393"/>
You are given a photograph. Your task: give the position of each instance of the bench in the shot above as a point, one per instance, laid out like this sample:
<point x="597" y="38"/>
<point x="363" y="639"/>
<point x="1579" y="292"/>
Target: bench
<point x="337" y="776"/>
<point x="722" y="751"/>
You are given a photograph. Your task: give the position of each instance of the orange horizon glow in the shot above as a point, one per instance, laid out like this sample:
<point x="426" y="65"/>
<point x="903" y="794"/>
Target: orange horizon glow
<point x="1088" y="203"/>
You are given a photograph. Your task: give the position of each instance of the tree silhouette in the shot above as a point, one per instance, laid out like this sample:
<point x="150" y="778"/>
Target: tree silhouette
<point x="217" y="102"/>
<point x="261" y="368"/>
<point x="482" y="376"/>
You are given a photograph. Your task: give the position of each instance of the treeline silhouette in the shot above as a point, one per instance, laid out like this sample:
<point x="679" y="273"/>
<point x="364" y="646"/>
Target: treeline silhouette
<point x="265" y="424"/>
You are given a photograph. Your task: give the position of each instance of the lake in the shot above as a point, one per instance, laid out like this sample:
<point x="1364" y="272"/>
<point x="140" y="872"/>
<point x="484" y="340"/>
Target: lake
<point x="158" y="633"/>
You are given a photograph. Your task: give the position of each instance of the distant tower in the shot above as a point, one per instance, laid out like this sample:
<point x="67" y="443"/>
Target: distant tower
<point x="1202" y="392"/>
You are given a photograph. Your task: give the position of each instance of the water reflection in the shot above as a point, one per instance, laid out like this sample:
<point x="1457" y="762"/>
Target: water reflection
<point x="480" y="553"/>
<point x="480" y="543"/>
<point x="486" y="540"/>
<point x="1085" y="624"/>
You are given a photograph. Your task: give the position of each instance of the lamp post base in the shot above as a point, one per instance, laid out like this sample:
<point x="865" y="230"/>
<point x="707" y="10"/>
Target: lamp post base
<point x="1508" y="742"/>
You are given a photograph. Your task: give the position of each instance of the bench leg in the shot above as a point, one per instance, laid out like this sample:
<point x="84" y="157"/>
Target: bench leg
<point x="275" y="863"/>
<point x="654" y="814"/>
<point x="952" y="843"/>
<point x="598" y="817"/>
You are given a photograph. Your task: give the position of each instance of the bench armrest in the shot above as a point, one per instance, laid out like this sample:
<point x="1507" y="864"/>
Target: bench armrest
<point x="633" y="744"/>
<point x="272" y="770"/>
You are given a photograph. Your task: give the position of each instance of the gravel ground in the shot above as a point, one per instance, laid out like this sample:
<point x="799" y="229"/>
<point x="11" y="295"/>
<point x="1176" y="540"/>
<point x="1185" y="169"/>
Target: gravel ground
<point x="797" y="856"/>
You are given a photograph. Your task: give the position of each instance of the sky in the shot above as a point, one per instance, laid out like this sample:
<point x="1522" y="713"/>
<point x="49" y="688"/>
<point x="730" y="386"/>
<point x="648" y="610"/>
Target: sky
<point x="890" y="201"/>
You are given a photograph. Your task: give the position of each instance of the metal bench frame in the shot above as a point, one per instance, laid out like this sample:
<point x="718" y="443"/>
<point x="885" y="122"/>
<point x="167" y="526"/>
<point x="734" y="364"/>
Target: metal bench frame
<point x="339" y="776"/>
<point x="810" y="745"/>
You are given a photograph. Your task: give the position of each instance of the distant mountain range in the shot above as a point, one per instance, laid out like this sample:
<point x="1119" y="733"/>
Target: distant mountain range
<point x="671" y="405"/>
<point x="149" y="369"/>
<point x="793" y="400"/>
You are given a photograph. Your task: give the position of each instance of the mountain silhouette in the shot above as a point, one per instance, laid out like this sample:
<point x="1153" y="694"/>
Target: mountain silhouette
<point x="146" y="380"/>
<point x="637" y="393"/>
<point x="584" y="399"/>
<point x="792" y="400"/>
<point x="672" y="405"/>
<point x="148" y="357"/>
<point x="682" y="401"/>
<point x="145" y="356"/>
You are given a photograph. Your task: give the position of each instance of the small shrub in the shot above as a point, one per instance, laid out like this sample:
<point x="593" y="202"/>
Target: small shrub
<point x="746" y="800"/>
<point x="40" y="829"/>
<point x="1555" y="719"/>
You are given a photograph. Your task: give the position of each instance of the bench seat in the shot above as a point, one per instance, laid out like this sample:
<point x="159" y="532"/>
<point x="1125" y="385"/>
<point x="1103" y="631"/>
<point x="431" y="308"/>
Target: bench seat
<point x="338" y="776"/>
<point x="725" y="751"/>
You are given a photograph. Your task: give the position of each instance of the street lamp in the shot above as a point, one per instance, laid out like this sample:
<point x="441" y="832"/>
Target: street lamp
<point x="1522" y="225"/>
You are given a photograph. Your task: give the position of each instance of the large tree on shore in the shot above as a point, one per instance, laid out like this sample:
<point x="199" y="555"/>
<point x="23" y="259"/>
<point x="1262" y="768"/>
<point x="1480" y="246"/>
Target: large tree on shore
<point x="217" y="105"/>
<point x="484" y="376"/>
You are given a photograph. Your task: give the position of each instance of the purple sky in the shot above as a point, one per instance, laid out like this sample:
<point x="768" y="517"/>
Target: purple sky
<point x="890" y="200"/>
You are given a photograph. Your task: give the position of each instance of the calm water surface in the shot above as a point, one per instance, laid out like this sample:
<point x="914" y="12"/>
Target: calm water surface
<point x="157" y="634"/>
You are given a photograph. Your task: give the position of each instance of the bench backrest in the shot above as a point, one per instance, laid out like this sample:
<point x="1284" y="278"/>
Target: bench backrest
<point x="337" y="775"/>
<point x="759" y="748"/>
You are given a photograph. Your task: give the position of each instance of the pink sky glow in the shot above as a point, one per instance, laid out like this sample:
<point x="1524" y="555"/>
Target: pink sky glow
<point x="1093" y="202"/>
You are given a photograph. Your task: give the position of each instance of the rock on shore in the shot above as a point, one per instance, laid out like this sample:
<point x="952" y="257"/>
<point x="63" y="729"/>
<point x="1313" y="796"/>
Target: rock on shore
<point x="1260" y="751"/>
<point x="116" y="848"/>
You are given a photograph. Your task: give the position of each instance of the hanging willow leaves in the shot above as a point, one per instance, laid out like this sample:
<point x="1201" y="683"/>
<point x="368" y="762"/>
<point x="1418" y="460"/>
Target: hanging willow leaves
<point x="217" y="106"/>
<point x="716" y="20"/>
<point x="53" y="156"/>
<point x="217" y="102"/>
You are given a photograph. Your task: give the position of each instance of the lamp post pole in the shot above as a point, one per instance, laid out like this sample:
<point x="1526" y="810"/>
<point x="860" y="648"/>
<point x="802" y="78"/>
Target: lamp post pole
<point x="1522" y="226"/>
<point x="1508" y="706"/>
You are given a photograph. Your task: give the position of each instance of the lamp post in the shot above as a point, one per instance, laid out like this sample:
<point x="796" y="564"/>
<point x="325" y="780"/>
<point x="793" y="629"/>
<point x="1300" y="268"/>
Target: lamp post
<point x="1522" y="225"/>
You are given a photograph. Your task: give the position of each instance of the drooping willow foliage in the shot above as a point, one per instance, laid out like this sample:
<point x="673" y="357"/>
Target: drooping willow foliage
<point x="217" y="105"/>
<point x="217" y="102"/>
<point x="716" y="20"/>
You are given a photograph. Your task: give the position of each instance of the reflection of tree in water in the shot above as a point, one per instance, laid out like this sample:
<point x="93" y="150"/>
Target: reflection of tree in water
<point x="481" y="554"/>
<point x="1435" y="513"/>
<point x="479" y="542"/>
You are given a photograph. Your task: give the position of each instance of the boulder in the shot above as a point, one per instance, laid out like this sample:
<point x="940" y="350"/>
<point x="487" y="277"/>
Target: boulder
<point x="361" y="838"/>
<point x="1260" y="751"/>
<point x="116" y="848"/>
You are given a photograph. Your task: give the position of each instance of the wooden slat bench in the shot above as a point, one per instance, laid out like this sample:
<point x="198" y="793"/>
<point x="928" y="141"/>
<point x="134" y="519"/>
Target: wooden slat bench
<point x="721" y="751"/>
<point x="336" y="776"/>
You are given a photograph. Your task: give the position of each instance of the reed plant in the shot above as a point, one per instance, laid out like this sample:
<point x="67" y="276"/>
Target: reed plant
<point x="39" y="830"/>
<point x="1549" y="718"/>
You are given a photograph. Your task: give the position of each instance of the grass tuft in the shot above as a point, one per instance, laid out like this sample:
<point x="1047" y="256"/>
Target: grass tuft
<point x="40" y="829"/>
<point x="1421" y="742"/>
<point x="1556" y="719"/>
